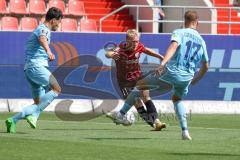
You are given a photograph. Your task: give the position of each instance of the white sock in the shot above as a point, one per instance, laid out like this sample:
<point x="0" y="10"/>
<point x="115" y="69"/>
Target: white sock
<point x="185" y="132"/>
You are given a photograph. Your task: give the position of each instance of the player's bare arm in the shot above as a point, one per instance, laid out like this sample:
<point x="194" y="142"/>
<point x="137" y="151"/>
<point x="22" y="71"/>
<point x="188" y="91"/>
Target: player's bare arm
<point x="169" y="54"/>
<point x="201" y="73"/>
<point x="44" y="43"/>
<point x="109" y="54"/>
<point x="112" y="54"/>
<point x="151" y="52"/>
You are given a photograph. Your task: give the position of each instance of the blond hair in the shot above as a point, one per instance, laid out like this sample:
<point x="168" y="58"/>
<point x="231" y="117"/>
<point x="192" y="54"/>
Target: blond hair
<point x="132" y="33"/>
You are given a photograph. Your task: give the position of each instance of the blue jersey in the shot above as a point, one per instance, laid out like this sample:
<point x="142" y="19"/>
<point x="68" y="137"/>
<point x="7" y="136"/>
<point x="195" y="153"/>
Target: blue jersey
<point x="34" y="52"/>
<point x="190" y="53"/>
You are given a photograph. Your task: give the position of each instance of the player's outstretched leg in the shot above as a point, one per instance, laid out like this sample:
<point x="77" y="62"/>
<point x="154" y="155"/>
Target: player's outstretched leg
<point x="182" y="117"/>
<point x="119" y="116"/>
<point x="11" y="122"/>
<point x="44" y="102"/>
<point x="31" y="112"/>
<point x="151" y="82"/>
<point x="152" y="112"/>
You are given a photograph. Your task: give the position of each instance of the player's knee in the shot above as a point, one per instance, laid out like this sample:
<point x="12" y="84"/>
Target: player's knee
<point x="145" y="96"/>
<point x="145" y="99"/>
<point x="57" y="89"/>
<point x="54" y="85"/>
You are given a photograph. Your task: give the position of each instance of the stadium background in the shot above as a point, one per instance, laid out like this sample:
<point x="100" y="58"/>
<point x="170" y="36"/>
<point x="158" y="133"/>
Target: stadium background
<point x="213" y="105"/>
<point x="222" y="75"/>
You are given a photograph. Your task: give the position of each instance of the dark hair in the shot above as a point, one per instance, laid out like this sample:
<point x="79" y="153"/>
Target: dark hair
<point x="190" y="16"/>
<point x="52" y="13"/>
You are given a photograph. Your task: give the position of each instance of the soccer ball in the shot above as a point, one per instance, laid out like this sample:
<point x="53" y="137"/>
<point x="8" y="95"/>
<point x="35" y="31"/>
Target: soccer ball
<point x="127" y="120"/>
<point x="130" y="118"/>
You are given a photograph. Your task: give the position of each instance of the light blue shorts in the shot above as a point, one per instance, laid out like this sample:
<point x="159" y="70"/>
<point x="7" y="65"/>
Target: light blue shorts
<point x="180" y="88"/>
<point x="166" y="83"/>
<point x="39" y="80"/>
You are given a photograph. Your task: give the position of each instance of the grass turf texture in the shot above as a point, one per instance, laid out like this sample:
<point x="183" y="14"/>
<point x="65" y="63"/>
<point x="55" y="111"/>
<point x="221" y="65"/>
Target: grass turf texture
<point x="215" y="137"/>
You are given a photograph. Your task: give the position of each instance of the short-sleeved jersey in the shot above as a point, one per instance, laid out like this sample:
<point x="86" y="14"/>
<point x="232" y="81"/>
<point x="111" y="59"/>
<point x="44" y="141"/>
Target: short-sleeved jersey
<point x="35" y="54"/>
<point x="190" y="53"/>
<point x="128" y="68"/>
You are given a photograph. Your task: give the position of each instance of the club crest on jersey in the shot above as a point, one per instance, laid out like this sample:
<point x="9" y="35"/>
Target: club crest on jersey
<point x="45" y="32"/>
<point x="174" y="35"/>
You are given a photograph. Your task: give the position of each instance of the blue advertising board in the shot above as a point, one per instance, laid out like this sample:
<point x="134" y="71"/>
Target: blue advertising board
<point x="222" y="82"/>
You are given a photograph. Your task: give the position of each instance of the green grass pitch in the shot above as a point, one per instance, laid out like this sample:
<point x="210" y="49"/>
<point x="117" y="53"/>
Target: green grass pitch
<point x="215" y="137"/>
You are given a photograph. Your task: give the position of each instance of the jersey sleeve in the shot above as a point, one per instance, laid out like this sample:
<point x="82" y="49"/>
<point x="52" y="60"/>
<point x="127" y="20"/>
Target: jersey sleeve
<point x="141" y="47"/>
<point x="176" y="37"/>
<point x="41" y="31"/>
<point x="205" y="54"/>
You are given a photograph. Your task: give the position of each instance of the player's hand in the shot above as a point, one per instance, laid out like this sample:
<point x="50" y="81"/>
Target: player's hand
<point x="161" y="13"/>
<point x="51" y="56"/>
<point x="115" y="56"/>
<point x="159" y="70"/>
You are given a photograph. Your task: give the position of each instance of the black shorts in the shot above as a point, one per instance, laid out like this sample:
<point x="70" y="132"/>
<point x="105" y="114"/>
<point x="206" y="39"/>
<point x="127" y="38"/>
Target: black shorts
<point x="126" y="88"/>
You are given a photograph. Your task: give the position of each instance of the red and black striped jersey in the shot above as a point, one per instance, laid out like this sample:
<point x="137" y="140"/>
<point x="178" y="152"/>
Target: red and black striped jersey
<point x="128" y="68"/>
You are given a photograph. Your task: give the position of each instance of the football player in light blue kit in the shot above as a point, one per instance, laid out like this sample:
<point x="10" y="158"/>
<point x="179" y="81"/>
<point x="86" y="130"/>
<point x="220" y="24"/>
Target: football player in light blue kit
<point x="176" y="71"/>
<point x="44" y="86"/>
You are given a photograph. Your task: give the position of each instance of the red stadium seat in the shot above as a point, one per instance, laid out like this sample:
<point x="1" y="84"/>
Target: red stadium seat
<point x="28" y="23"/>
<point x="37" y="7"/>
<point x="57" y="3"/>
<point x="3" y="7"/>
<point x="18" y="6"/>
<point x="76" y="8"/>
<point x="69" y="24"/>
<point x="9" y="24"/>
<point x="88" y="25"/>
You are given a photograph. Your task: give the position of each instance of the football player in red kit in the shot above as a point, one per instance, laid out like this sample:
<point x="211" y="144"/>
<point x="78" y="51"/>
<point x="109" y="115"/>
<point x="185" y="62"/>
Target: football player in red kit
<point x="126" y="57"/>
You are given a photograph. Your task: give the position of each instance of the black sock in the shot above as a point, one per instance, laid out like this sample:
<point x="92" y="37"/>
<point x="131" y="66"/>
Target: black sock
<point x="150" y="107"/>
<point x="151" y="110"/>
<point x="144" y="115"/>
<point x="141" y="110"/>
